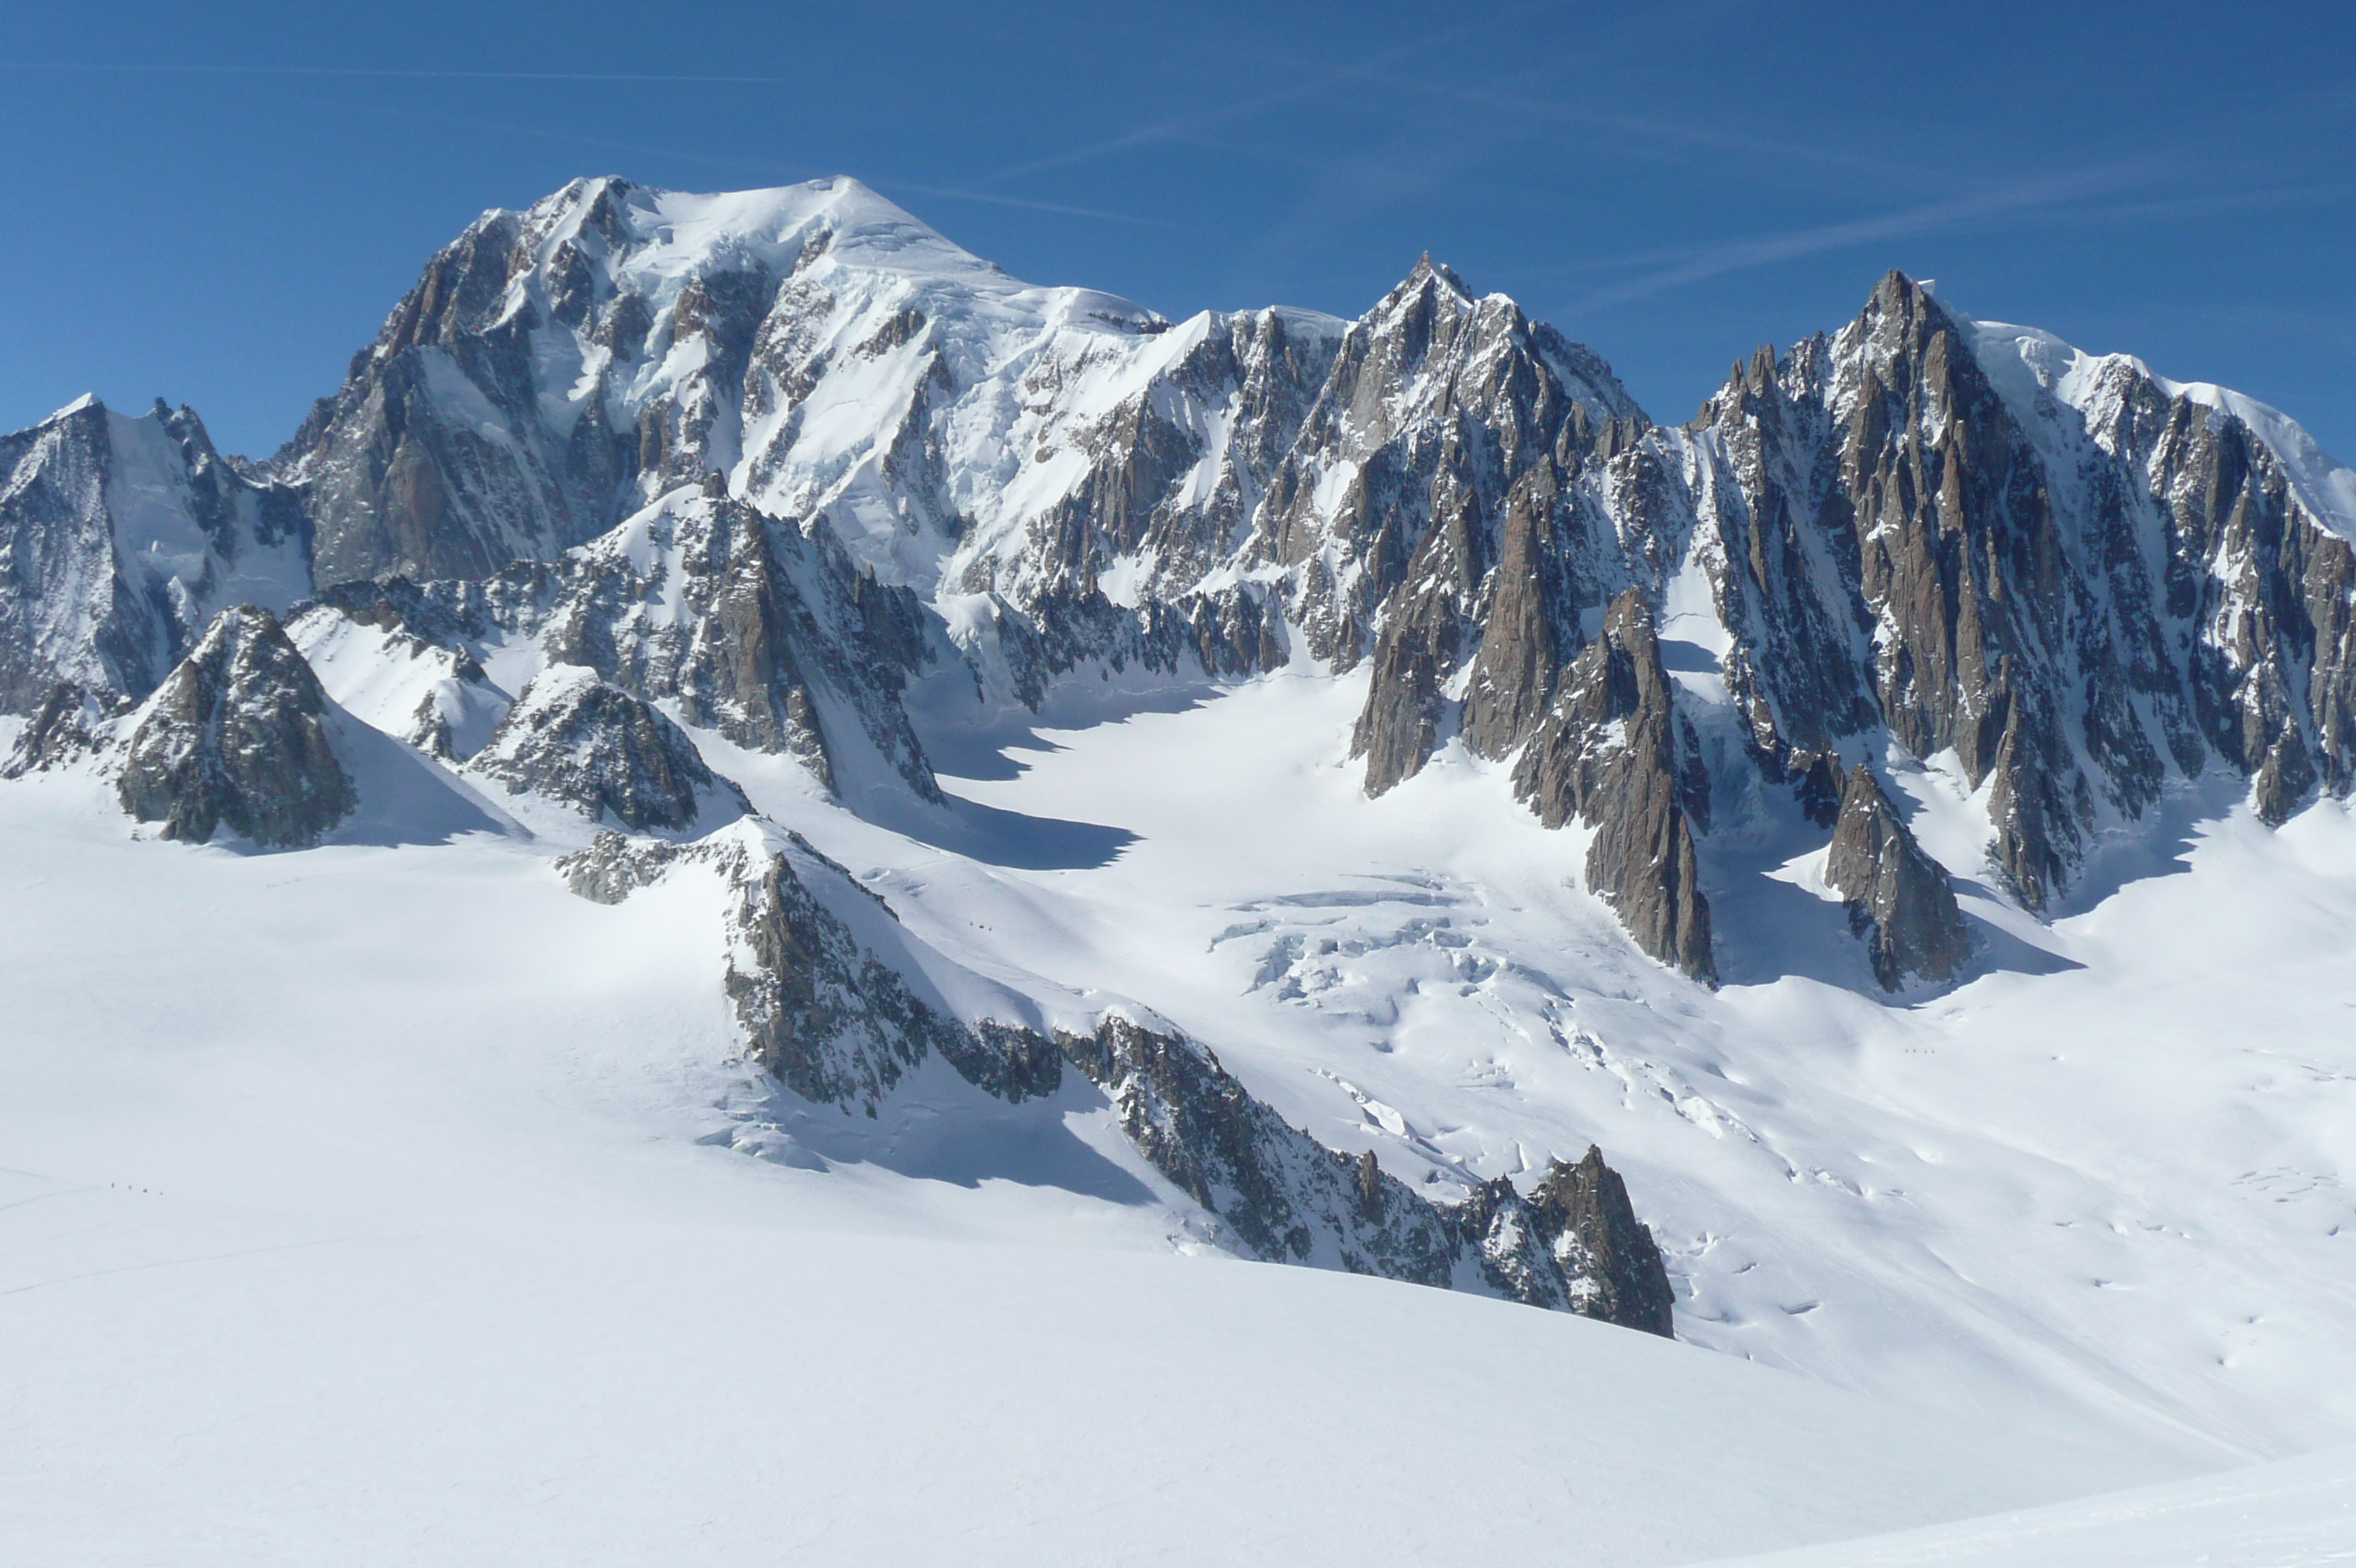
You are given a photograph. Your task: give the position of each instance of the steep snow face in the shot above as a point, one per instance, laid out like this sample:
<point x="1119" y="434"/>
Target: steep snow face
<point x="432" y="695"/>
<point x="189" y="530"/>
<point x="121" y="537"/>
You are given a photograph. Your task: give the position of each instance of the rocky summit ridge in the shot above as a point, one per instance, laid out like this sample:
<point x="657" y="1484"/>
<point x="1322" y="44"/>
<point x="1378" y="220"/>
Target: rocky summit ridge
<point x="637" y="480"/>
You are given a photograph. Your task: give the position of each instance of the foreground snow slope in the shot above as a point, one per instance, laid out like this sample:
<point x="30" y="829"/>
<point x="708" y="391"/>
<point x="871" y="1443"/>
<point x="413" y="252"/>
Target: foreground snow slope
<point x="354" y="1210"/>
<point x="2292" y="1513"/>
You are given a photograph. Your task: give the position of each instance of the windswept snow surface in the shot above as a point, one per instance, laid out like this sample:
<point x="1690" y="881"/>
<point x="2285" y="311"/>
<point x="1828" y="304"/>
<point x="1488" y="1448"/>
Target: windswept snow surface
<point x="2293" y="1513"/>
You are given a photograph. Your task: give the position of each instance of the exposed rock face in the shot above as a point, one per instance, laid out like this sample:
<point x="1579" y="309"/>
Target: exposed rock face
<point x="1608" y="752"/>
<point x="819" y="973"/>
<point x="771" y="636"/>
<point x="2077" y="576"/>
<point x="556" y="369"/>
<point x="837" y="1025"/>
<point x="120" y="539"/>
<point x="236" y="736"/>
<point x="574" y="738"/>
<point x="1159" y="485"/>
<point x="1436" y="404"/>
<point x="831" y="1001"/>
<point x="1607" y="1253"/>
<point x="426" y="462"/>
<point x="1572" y="1246"/>
<point x="60" y="729"/>
<point x="1899" y="900"/>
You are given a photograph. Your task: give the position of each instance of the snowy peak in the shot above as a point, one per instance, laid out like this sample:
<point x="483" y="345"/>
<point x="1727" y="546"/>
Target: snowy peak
<point x="2144" y="588"/>
<point x="125" y="536"/>
<point x="2105" y="390"/>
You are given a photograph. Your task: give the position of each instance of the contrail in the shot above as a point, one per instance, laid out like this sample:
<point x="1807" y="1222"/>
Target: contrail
<point x="1178" y="127"/>
<point x="768" y="169"/>
<point x="386" y="72"/>
<point x="1761" y="250"/>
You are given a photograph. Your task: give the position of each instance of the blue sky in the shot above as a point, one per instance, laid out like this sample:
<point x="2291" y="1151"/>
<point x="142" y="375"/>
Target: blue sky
<point x="219" y="203"/>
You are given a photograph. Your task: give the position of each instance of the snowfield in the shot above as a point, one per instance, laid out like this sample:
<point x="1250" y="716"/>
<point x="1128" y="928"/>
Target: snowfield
<point x="384" y="1202"/>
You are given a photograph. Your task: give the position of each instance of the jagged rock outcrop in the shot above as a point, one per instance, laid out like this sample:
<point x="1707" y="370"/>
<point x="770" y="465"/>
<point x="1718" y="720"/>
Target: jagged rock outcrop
<point x="432" y="461"/>
<point x="237" y="737"/>
<point x="60" y="729"/>
<point x="834" y="1023"/>
<point x="574" y="738"/>
<point x="819" y="973"/>
<point x="2081" y="579"/>
<point x="832" y="1000"/>
<point x="1901" y="901"/>
<point x="770" y="636"/>
<point x="1436" y="404"/>
<point x="1608" y="1255"/>
<point x="767" y="635"/>
<point x="119" y="539"/>
<point x="1572" y="1246"/>
<point x="1434" y="489"/>
<point x="1613" y="752"/>
<point x="1171" y="478"/>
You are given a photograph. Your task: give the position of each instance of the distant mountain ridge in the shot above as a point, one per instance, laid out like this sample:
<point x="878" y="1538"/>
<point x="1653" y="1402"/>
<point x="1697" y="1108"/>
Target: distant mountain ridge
<point x="2081" y="579"/>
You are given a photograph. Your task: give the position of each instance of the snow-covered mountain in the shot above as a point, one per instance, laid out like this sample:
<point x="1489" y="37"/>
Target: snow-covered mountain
<point x="1356" y="794"/>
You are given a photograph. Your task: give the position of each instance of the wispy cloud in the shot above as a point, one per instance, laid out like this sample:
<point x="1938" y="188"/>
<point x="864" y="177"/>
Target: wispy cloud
<point x="1695" y="263"/>
<point x="991" y="199"/>
<point x="1649" y="130"/>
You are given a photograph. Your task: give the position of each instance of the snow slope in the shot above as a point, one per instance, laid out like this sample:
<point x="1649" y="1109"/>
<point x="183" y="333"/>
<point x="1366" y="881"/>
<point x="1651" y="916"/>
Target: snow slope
<point x="2100" y="1189"/>
<point x="432" y="1233"/>
<point x="411" y="1244"/>
<point x="2289" y="1514"/>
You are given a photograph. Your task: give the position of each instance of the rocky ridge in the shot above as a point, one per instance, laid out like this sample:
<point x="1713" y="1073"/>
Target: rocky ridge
<point x="2080" y="578"/>
<point x="1901" y="901"/>
<point x="2083" y="581"/>
<point x="831" y="998"/>
<point x="119" y="539"/>
<point x="768" y="637"/>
